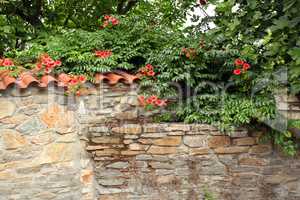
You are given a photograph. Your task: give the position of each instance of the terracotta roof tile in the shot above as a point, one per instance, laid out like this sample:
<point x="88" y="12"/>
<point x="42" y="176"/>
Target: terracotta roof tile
<point x="25" y="79"/>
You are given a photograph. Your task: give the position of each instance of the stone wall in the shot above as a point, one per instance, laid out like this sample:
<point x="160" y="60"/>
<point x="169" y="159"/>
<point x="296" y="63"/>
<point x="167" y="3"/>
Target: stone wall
<point x="178" y="161"/>
<point x="100" y="146"/>
<point x="42" y="145"/>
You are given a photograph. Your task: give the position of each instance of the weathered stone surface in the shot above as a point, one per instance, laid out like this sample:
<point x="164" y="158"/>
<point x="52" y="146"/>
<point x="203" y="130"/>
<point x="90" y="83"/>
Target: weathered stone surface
<point x="218" y="141"/>
<point x="168" y="141"/>
<point x="195" y="140"/>
<point x="153" y="135"/>
<point x="111" y="182"/>
<point x="118" y="165"/>
<point x="131" y="152"/>
<point x="261" y="149"/>
<point x="161" y="165"/>
<point x="278" y="179"/>
<point x="166" y="179"/>
<point x="106" y="140"/>
<point x="56" y="152"/>
<point x="12" y="139"/>
<point x="244" y="141"/>
<point x="7" y="108"/>
<point x="154" y="128"/>
<point x="15" y="119"/>
<point x="144" y="157"/>
<point x="231" y="150"/>
<point x="43" y="137"/>
<point x="107" y="152"/>
<point x="87" y="176"/>
<point x="128" y="129"/>
<point x="177" y="133"/>
<point x="252" y="161"/>
<point x="178" y="127"/>
<point x="101" y="129"/>
<point x="151" y="162"/>
<point x="57" y="117"/>
<point x="96" y="147"/>
<point x="31" y="126"/>
<point x="199" y="151"/>
<point x="138" y="147"/>
<point x="161" y="150"/>
<point x="127" y="115"/>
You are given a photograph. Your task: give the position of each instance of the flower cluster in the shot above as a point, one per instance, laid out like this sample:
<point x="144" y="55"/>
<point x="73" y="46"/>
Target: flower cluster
<point x="73" y="83"/>
<point x="241" y="65"/>
<point x="188" y="52"/>
<point x="103" y="53"/>
<point x="46" y="65"/>
<point x="6" y="62"/>
<point x="147" y="70"/>
<point x="152" y="101"/>
<point x="109" y="21"/>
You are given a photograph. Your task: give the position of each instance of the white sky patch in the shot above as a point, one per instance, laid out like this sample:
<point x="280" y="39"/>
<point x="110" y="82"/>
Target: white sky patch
<point x="210" y="10"/>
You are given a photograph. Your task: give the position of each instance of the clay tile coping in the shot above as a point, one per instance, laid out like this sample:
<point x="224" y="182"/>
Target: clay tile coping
<point x="26" y="79"/>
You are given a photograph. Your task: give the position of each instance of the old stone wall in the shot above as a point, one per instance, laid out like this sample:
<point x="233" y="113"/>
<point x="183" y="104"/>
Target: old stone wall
<point x="178" y="161"/>
<point x="42" y="141"/>
<point x="100" y="146"/>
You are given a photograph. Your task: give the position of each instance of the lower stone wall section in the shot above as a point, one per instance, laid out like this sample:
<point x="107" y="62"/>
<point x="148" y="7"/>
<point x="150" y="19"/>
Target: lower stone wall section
<point x="186" y="162"/>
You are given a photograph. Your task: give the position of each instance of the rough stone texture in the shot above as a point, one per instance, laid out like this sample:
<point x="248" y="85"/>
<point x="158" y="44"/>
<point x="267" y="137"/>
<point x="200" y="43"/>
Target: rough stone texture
<point x="288" y="105"/>
<point x="158" y="165"/>
<point x="100" y="147"/>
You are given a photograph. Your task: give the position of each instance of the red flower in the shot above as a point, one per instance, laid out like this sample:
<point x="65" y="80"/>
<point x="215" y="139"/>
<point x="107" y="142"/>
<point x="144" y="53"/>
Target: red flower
<point x="7" y="62"/>
<point x="149" y="101"/>
<point x="107" y="17"/>
<point x="246" y="66"/>
<point x="82" y="78"/>
<point x="149" y="67"/>
<point x="57" y="63"/>
<point x="73" y="81"/>
<point x="238" y="62"/>
<point x="237" y="71"/>
<point x="153" y="98"/>
<point x="151" y="73"/>
<point x="103" y="54"/>
<point x="160" y="102"/>
<point x="115" y="21"/>
<point x="78" y="93"/>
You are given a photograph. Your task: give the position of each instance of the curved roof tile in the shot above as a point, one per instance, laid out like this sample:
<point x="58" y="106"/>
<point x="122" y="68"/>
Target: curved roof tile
<point x="27" y="78"/>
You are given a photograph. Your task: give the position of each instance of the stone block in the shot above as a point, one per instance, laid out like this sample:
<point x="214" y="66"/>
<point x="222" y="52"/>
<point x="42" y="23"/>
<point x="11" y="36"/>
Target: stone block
<point x="247" y="141"/>
<point x="168" y="141"/>
<point x="118" y="165"/>
<point x="195" y="140"/>
<point x="231" y="150"/>
<point x="199" y="151"/>
<point x="137" y="147"/>
<point x="218" y="141"/>
<point x="12" y="139"/>
<point x="162" y="150"/>
<point x="131" y="153"/>
<point x="128" y="129"/>
<point x="7" y="108"/>
<point x="107" y="152"/>
<point x="252" y="161"/>
<point x="106" y="140"/>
